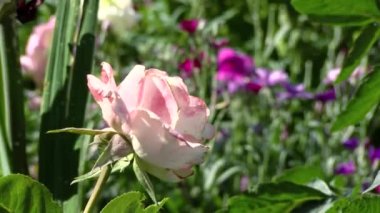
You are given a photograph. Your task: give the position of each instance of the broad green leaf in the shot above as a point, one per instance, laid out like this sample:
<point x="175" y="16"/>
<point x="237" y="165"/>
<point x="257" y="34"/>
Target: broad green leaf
<point x="365" y="203"/>
<point x="374" y="184"/>
<point x="144" y="179"/>
<point x="365" y="98"/>
<point x="275" y="197"/>
<point x="83" y="131"/>
<point x="301" y="174"/>
<point x="341" y="20"/>
<point x="21" y="193"/>
<point x="154" y="208"/>
<point x="362" y="45"/>
<point x="366" y="8"/>
<point x="56" y="151"/>
<point x="131" y="202"/>
<point x="13" y="131"/>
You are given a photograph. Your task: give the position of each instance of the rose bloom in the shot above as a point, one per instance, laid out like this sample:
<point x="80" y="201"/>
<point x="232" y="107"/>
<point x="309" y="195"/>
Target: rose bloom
<point x="164" y="124"/>
<point x="35" y="60"/>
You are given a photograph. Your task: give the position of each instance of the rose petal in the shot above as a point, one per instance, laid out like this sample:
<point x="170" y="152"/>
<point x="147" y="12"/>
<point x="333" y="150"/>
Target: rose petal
<point x="129" y="87"/>
<point x="113" y="108"/>
<point x="192" y="120"/>
<point x="161" y="173"/>
<point x="156" y="96"/>
<point x="155" y="143"/>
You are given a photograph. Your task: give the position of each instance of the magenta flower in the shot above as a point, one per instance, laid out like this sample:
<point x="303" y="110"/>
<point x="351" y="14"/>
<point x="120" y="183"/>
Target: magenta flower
<point x="35" y="60"/>
<point x="351" y="143"/>
<point x="233" y="65"/>
<point x="346" y="168"/>
<point x="189" y="65"/>
<point x="189" y="25"/>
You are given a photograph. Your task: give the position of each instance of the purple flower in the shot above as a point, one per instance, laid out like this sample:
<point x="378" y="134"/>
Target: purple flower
<point x="326" y="96"/>
<point x="189" y="25"/>
<point x="374" y="153"/>
<point x="351" y="143"/>
<point x="294" y="92"/>
<point x="233" y="65"/>
<point x="271" y="78"/>
<point x="244" y="183"/>
<point x="346" y="168"/>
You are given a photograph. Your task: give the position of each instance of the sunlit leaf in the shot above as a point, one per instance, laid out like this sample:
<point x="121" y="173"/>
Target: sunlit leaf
<point x="374" y="184"/>
<point x="362" y="45"/>
<point x="21" y="193"/>
<point x="275" y="197"/>
<point x="83" y="131"/>
<point x="366" y="203"/>
<point x="366" y="97"/>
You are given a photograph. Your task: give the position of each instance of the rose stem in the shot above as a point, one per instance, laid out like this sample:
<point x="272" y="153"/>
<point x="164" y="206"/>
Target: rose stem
<point x="104" y="174"/>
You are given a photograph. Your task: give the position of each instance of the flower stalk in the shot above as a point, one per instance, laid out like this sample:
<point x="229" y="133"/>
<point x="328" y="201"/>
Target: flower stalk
<point x="104" y="174"/>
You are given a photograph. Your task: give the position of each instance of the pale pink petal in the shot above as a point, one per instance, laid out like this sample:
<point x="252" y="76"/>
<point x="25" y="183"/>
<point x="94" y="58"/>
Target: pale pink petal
<point x="192" y="120"/>
<point x="107" y="75"/>
<point x="129" y="87"/>
<point x="161" y="173"/>
<point x="179" y="90"/>
<point x="113" y="109"/>
<point x="156" y="96"/>
<point x="155" y="143"/>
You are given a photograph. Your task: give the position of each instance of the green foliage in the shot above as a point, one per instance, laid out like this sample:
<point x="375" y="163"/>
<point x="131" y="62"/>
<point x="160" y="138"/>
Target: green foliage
<point x="366" y="97"/>
<point x="374" y="184"/>
<point x="341" y="8"/>
<point x="131" y="202"/>
<point x="365" y="203"/>
<point x="144" y="179"/>
<point x="361" y="47"/>
<point x="301" y="174"/>
<point x="81" y="131"/>
<point x="275" y="197"/>
<point x="21" y="193"/>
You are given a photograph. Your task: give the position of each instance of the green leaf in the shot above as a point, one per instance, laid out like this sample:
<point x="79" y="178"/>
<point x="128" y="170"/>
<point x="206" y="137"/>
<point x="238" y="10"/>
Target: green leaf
<point x="131" y="202"/>
<point x="365" y="98"/>
<point x="362" y="45"/>
<point x="366" y="8"/>
<point x="301" y="174"/>
<point x="21" y="193"/>
<point x="374" y="184"/>
<point x="366" y="203"/>
<point x="144" y="179"/>
<point x="83" y="131"/>
<point x="341" y="20"/>
<point x="275" y="197"/>
<point x="154" y="208"/>
<point x="57" y="151"/>
<point x="89" y="175"/>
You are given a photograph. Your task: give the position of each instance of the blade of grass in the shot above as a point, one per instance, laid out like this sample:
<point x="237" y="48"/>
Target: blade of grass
<point x="14" y="97"/>
<point x="58" y="161"/>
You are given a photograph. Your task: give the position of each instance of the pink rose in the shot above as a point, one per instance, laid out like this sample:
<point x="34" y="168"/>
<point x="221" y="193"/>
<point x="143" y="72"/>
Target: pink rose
<point x="35" y="60"/>
<point x="165" y="125"/>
